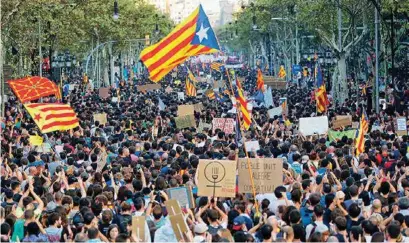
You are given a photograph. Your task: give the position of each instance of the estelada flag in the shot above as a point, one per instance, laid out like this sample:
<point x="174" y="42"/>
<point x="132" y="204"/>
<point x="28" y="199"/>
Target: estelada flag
<point x="192" y="37"/>
<point x="32" y="88"/>
<point x="51" y="117"/>
<point x="260" y="81"/>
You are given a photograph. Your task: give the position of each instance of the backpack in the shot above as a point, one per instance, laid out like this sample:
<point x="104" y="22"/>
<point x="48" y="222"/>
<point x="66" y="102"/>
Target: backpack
<point x="213" y="230"/>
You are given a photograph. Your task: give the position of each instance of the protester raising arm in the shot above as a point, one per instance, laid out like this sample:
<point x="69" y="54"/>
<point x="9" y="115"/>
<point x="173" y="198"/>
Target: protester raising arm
<point x="201" y="210"/>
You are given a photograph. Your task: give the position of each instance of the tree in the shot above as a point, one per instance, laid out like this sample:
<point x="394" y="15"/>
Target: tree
<point x="74" y="24"/>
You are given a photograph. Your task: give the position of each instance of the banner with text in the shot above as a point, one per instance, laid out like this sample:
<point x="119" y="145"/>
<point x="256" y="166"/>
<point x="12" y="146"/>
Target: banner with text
<point x="267" y="175"/>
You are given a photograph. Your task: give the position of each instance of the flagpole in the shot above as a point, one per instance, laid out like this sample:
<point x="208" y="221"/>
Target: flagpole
<point x="244" y="145"/>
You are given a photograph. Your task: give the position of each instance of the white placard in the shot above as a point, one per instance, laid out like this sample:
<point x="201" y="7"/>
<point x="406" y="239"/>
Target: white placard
<point x="252" y="146"/>
<point x="311" y="125"/>
<point x="178" y="145"/>
<point x="277" y="111"/>
<point x="181" y="96"/>
<point x="59" y="148"/>
<point x="401" y="122"/>
<point x="114" y="99"/>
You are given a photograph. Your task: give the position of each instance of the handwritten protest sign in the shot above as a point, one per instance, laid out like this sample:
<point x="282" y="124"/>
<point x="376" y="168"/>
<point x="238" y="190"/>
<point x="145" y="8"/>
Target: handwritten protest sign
<point x="148" y="87"/>
<point x="311" y="125"/>
<point x="217" y="178"/>
<point x="101" y="117"/>
<point x="401" y="127"/>
<point x="103" y="93"/>
<point x="342" y="121"/>
<point x="185" y="121"/>
<point x="138" y="227"/>
<point x="267" y="175"/>
<point x="183" y="195"/>
<point x="227" y="125"/>
<point x="252" y="146"/>
<point x="277" y="111"/>
<point x="186" y="110"/>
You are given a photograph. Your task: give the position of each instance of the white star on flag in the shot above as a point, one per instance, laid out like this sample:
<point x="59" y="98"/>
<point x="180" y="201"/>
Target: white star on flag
<point x="202" y="33"/>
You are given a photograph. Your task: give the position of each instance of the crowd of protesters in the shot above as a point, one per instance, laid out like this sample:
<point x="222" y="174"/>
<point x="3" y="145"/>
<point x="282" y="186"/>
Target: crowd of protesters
<point x="328" y="193"/>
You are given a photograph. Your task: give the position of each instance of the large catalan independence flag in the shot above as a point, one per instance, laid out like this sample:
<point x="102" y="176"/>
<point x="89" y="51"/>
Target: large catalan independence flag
<point x="194" y="36"/>
<point x="51" y="117"/>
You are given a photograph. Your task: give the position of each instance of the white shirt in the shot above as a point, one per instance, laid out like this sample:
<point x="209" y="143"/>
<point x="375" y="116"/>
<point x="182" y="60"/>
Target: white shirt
<point x="311" y="226"/>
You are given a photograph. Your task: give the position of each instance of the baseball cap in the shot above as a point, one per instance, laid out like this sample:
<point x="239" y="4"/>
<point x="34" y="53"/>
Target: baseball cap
<point x="238" y="222"/>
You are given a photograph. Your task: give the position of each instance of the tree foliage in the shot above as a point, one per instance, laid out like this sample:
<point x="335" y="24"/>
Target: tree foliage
<point x="74" y="24"/>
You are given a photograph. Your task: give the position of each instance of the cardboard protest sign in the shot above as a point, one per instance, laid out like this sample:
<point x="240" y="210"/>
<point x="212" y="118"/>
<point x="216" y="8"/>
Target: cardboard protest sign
<point x="179" y="226"/>
<point x="217" y="178"/>
<point x="148" y="87"/>
<point x="355" y="124"/>
<point x="342" y="121"/>
<point x="401" y="127"/>
<point x="267" y="174"/>
<point x="311" y="125"/>
<point x="183" y="195"/>
<point x="186" y="110"/>
<point x="227" y="125"/>
<point x="252" y="146"/>
<point x="185" y="121"/>
<point x="173" y="207"/>
<point x="198" y="107"/>
<point x="138" y="227"/>
<point x="335" y="135"/>
<point x="277" y="111"/>
<point x="103" y="93"/>
<point x="101" y="117"/>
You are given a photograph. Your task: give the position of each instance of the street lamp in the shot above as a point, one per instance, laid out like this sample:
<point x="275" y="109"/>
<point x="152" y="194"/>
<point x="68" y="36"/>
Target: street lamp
<point x="116" y="10"/>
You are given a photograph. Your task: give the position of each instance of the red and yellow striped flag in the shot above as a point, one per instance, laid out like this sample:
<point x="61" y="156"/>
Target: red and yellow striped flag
<point x="321" y="92"/>
<point x="58" y="94"/>
<point x="360" y="134"/>
<point x="51" y="117"/>
<point x="243" y="106"/>
<point x="192" y="37"/>
<point x="260" y="81"/>
<point x="190" y="86"/>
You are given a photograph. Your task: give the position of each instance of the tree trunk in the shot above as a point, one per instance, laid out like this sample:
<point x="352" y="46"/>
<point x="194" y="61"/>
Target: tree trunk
<point x="341" y="86"/>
